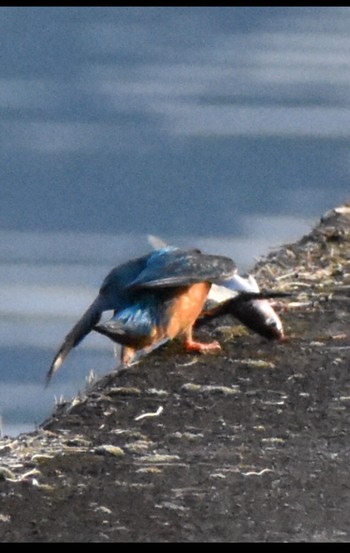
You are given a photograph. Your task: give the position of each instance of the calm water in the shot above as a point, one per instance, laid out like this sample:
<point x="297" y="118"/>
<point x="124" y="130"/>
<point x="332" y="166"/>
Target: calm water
<point x="223" y="128"/>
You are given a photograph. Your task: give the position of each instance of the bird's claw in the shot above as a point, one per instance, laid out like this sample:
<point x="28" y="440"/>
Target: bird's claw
<point x="201" y="347"/>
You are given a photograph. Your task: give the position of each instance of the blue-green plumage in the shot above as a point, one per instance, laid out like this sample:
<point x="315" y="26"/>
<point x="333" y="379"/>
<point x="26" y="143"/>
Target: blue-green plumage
<point x="135" y="323"/>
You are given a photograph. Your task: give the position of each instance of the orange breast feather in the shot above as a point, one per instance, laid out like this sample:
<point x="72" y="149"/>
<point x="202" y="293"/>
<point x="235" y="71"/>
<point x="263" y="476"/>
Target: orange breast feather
<point x="186" y="307"/>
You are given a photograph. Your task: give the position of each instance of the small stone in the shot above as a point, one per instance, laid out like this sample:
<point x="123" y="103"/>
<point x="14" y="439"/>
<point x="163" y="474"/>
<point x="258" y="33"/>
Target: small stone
<point x="109" y="449"/>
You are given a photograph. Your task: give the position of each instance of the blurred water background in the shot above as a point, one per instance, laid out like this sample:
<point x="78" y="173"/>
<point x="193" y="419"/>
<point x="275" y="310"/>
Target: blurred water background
<point x="223" y="128"/>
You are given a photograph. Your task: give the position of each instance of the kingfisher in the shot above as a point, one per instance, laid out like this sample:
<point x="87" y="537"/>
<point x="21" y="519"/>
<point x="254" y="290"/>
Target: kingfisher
<point x="155" y="298"/>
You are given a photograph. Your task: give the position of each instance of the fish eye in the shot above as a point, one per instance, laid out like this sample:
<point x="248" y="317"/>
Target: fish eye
<point x="273" y="323"/>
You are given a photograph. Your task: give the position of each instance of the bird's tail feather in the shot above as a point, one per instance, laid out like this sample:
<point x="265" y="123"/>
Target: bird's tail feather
<point x="85" y="324"/>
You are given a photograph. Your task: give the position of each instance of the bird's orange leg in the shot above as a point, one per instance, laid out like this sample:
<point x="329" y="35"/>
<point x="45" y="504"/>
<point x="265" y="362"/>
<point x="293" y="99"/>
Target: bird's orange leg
<point x="192" y="345"/>
<point x="127" y="354"/>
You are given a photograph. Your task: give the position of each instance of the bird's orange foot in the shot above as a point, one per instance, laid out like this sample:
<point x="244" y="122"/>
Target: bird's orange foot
<point x="190" y="345"/>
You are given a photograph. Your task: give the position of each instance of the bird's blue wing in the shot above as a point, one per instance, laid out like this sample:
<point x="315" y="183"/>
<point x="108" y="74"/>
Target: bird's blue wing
<point x="114" y="291"/>
<point x="171" y="267"/>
